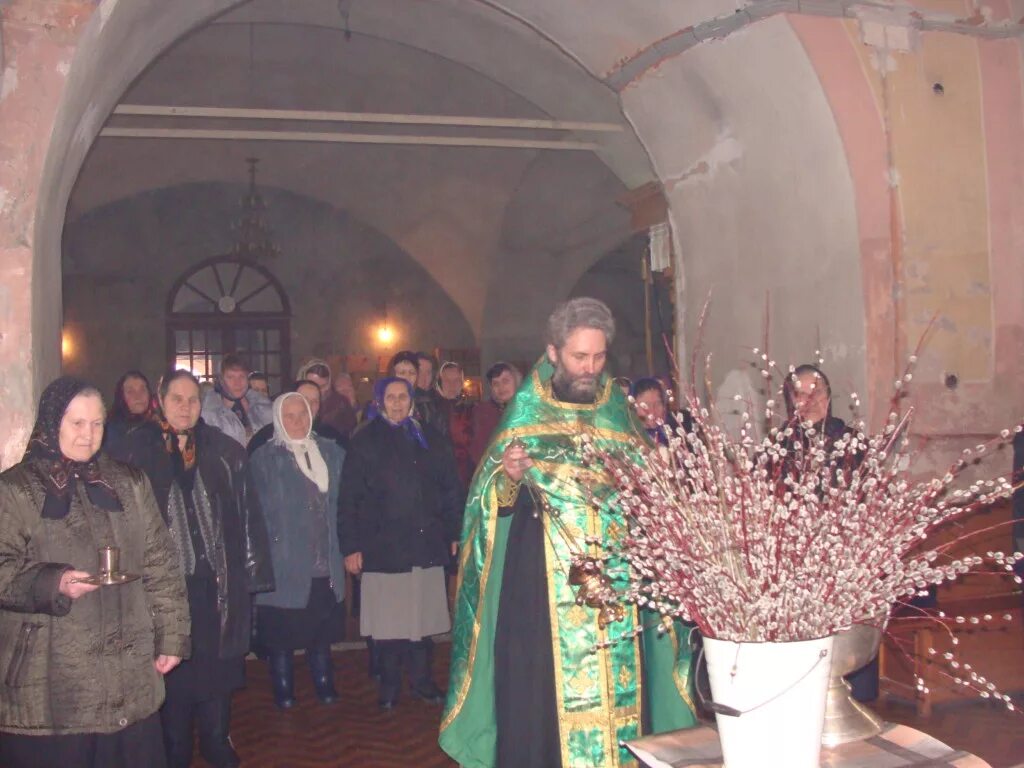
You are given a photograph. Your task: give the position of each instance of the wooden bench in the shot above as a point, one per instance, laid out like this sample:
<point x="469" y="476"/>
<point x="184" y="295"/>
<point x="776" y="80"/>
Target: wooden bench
<point x="994" y="650"/>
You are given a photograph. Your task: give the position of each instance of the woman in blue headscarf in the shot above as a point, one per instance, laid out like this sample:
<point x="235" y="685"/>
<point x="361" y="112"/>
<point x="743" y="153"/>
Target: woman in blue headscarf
<point x="400" y="514"/>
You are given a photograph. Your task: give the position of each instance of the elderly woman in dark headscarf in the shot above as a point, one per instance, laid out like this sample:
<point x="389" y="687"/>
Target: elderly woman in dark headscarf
<point x="83" y="669"/>
<point x="296" y="478"/>
<point x="808" y="396"/>
<point x="400" y="515"/>
<point x="202" y="487"/>
<point x="133" y="407"/>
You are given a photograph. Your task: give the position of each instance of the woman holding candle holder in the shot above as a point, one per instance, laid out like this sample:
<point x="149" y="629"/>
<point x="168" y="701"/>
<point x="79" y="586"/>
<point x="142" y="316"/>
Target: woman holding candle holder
<point x="82" y="664"/>
<point x="200" y="481"/>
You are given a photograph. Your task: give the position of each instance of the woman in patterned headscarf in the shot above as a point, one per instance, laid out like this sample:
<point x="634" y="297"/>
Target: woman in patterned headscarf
<point x="200" y="481"/>
<point x="83" y="665"/>
<point x="400" y="514"/>
<point x="295" y="477"/>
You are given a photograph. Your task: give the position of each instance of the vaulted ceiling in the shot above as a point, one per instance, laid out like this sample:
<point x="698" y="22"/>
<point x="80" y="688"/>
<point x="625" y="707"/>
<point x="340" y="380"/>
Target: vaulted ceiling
<point x="470" y="215"/>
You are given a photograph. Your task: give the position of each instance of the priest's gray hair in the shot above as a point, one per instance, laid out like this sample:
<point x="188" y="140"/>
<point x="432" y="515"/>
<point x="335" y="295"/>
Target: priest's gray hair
<point x="582" y="312"/>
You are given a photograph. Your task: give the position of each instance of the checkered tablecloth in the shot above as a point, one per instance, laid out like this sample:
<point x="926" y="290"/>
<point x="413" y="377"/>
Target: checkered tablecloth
<point x="897" y="745"/>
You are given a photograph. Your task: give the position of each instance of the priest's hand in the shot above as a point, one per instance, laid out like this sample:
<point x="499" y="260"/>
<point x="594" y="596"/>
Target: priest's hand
<point x="354" y="563"/>
<point x="515" y="461"/>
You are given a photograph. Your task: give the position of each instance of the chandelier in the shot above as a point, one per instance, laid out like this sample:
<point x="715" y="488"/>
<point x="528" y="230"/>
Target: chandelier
<point x="255" y="238"/>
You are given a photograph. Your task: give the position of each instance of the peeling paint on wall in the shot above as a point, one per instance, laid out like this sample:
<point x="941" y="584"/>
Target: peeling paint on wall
<point x="726" y="150"/>
<point x="14" y="446"/>
<point x="10" y="82"/>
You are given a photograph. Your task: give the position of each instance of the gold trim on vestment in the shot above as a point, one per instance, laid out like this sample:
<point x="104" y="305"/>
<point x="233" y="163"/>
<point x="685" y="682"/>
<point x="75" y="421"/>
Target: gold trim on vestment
<point x="682" y="681"/>
<point x="567" y="474"/>
<point x="568" y="428"/>
<point x="507" y="489"/>
<point x="485" y="571"/>
<point x="606" y="680"/>
<point x="613" y="718"/>
<point x="548" y="398"/>
<point x="556" y="651"/>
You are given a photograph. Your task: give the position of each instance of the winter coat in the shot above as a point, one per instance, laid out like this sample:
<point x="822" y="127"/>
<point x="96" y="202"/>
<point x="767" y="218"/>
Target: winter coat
<point x="401" y="504"/>
<point x="281" y="487"/>
<point x="84" y="665"/>
<point x="241" y="556"/>
<point x="220" y="416"/>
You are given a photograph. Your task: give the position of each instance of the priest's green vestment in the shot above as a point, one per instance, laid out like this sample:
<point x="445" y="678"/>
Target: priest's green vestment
<point x="600" y="693"/>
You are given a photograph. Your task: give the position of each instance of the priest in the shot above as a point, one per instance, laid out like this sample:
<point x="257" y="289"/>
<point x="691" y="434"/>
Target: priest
<point x="538" y="680"/>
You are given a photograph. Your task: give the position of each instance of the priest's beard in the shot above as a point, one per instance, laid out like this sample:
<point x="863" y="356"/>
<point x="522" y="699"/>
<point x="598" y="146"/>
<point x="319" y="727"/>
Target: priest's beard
<point x="581" y="389"/>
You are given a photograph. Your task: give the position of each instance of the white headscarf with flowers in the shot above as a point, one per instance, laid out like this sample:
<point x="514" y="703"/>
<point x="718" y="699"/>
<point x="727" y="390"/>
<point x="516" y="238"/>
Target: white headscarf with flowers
<point x="307" y="453"/>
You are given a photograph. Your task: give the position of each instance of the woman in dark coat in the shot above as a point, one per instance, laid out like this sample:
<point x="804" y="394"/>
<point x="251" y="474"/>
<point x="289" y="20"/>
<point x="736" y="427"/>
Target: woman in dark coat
<point x="295" y="477"/>
<point x="651" y="402"/>
<point x="133" y="407"/>
<point x="808" y="396"/>
<point x="400" y="517"/>
<point x="200" y="480"/>
<point x="83" y="664"/>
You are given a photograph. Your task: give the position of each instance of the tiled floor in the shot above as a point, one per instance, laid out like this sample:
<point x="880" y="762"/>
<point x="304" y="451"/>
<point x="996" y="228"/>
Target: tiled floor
<point x="354" y="733"/>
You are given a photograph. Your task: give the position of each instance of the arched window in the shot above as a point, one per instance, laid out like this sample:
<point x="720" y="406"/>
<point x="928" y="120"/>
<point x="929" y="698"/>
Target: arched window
<point x="228" y="304"/>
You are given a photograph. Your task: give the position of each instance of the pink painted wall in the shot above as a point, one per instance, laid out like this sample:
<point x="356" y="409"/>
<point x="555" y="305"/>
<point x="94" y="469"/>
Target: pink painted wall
<point x="38" y="42"/>
<point x="946" y="418"/>
<point x="859" y="122"/>
<point x="39" y="39"/>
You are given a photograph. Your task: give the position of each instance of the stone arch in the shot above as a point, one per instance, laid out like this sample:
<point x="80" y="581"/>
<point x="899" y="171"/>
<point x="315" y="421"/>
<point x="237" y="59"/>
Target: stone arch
<point x="121" y="38"/>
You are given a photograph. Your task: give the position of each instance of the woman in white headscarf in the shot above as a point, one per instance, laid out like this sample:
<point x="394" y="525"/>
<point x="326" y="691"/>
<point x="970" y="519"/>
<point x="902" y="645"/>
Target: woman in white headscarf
<point x="296" y="478"/>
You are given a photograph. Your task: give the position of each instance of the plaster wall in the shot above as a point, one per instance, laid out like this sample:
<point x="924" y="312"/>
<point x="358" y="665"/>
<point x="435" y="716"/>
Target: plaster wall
<point x="617" y="280"/>
<point x="446" y="207"/>
<point x="747" y="143"/>
<point x="762" y="206"/>
<point x="556" y="226"/>
<point x="949" y="163"/>
<point x="115" y="40"/>
<point x="122" y="259"/>
<point x="38" y="42"/>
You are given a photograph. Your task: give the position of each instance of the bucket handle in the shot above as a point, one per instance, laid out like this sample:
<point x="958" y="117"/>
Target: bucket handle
<point x="724" y="709"/>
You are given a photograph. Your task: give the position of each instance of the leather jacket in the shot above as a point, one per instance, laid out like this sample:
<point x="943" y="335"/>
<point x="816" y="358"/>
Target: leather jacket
<point x="241" y="556"/>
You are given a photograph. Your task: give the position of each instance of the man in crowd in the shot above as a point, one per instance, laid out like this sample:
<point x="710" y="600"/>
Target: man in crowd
<point x="503" y="380"/>
<point x="427" y="368"/>
<point x="457" y="411"/>
<point x="232" y="407"/>
<point x="340" y="407"/>
<point x="527" y="688"/>
<point x="427" y="399"/>
<point x="337" y="414"/>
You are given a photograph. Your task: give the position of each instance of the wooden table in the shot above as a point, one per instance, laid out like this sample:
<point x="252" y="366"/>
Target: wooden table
<point x="897" y="745"/>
